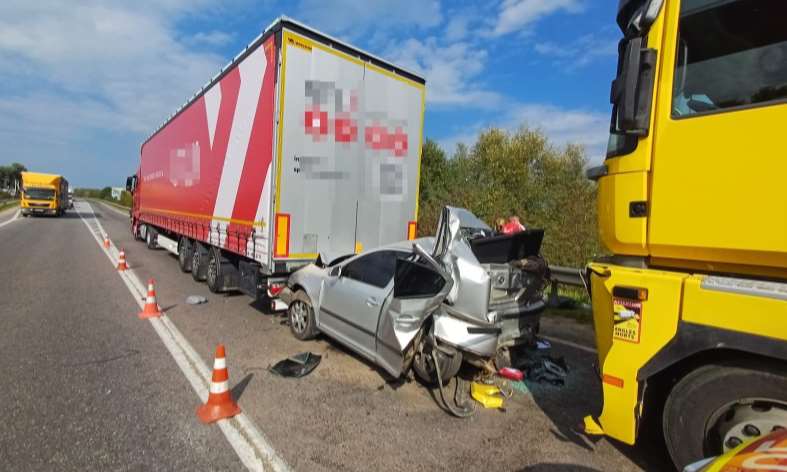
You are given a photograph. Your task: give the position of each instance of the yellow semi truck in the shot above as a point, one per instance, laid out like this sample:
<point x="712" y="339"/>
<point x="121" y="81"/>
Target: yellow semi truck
<point x="43" y="194"/>
<point x="690" y="310"/>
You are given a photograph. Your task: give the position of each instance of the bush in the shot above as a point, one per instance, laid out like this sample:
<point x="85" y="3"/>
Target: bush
<point x="518" y="173"/>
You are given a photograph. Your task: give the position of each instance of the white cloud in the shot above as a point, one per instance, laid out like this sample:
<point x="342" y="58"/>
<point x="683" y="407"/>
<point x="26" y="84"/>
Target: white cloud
<point x="562" y="125"/>
<point x="579" y="52"/>
<point x="210" y="38"/>
<point x="353" y="18"/>
<point x="450" y="71"/>
<point x="515" y="15"/>
<point x="456" y="28"/>
<point x="123" y="64"/>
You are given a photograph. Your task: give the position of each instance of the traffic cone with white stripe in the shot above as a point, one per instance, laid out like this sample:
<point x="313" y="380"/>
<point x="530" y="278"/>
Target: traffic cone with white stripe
<point x="220" y="404"/>
<point x="106" y="241"/>
<point x="122" y="261"/>
<point x="151" y="309"/>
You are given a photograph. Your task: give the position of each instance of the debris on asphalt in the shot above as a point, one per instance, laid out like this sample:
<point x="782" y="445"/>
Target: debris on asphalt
<point x="543" y="344"/>
<point x="511" y="374"/>
<point x="489" y="396"/>
<point x="520" y="387"/>
<point x="546" y="369"/>
<point x="196" y="300"/>
<point x="297" y="365"/>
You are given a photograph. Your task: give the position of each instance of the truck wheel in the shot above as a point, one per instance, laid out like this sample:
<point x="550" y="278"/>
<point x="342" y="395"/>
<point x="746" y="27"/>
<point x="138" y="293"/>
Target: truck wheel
<point x="185" y="249"/>
<point x="199" y="262"/>
<point x="303" y="325"/>
<point x="215" y="276"/>
<point x="151" y="236"/>
<point x="717" y="407"/>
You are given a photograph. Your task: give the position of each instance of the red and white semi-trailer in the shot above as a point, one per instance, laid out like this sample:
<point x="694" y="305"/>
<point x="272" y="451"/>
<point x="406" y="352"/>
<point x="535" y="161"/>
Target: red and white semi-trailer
<point x="303" y="145"/>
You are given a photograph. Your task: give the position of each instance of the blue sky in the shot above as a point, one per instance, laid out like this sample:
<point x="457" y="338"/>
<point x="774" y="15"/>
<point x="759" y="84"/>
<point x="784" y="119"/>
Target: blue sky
<point x="85" y="82"/>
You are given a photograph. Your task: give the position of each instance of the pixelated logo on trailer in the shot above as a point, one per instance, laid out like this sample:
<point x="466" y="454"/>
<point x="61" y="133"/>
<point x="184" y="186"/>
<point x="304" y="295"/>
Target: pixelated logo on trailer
<point x="332" y="112"/>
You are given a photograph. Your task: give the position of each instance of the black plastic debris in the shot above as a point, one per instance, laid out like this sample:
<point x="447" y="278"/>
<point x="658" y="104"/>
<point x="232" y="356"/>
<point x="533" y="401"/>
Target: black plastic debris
<point x="297" y="365"/>
<point x="546" y="369"/>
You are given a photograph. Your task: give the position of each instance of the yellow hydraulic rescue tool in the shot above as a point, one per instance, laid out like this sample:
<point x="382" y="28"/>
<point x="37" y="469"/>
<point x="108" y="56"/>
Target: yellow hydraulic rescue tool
<point x="691" y="309"/>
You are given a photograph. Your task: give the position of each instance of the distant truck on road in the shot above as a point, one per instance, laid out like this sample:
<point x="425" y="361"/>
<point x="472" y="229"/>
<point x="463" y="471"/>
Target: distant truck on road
<point x="302" y="146"/>
<point x="43" y="194"/>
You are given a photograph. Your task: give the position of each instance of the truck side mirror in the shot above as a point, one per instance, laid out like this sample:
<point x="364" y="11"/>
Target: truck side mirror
<point x="129" y="184"/>
<point x="632" y="89"/>
<point x="336" y="271"/>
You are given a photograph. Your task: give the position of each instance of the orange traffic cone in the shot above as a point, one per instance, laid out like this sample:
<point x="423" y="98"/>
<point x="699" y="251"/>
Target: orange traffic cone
<point x="151" y="309"/>
<point x="220" y="404"/>
<point x="106" y="242"/>
<point x="122" y="261"/>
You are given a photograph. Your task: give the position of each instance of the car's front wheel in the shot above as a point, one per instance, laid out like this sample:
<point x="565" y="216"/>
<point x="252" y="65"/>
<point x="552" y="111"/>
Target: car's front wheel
<point x="301" y="316"/>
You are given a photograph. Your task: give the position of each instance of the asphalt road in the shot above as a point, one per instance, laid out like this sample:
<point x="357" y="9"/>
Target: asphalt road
<point x="86" y="385"/>
<point x="70" y="334"/>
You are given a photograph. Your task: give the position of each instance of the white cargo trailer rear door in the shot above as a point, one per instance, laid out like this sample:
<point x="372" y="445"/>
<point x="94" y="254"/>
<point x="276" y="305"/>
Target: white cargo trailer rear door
<point x="348" y="153"/>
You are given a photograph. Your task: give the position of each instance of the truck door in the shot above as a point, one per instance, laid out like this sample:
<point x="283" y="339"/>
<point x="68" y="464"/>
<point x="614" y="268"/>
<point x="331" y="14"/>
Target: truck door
<point x="721" y="118"/>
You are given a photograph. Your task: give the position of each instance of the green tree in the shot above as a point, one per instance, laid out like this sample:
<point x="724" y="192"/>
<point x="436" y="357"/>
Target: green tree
<point x="516" y="173"/>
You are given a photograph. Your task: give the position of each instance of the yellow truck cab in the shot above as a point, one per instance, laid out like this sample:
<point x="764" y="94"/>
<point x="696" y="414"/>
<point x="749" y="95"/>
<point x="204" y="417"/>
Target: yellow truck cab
<point x="690" y="310"/>
<point x="43" y="194"/>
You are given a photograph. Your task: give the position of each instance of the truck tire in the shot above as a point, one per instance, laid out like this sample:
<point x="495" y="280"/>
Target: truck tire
<point x="215" y="274"/>
<point x="716" y="407"/>
<point x="185" y="249"/>
<point x="300" y="314"/>
<point x="199" y="262"/>
<point x="150" y="238"/>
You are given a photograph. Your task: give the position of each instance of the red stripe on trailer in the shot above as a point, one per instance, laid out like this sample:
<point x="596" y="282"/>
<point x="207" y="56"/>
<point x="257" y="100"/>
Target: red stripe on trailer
<point x="258" y="157"/>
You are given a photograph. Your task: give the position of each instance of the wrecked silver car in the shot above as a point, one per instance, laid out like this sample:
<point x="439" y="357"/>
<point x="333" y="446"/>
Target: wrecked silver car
<point x="465" y="295"/>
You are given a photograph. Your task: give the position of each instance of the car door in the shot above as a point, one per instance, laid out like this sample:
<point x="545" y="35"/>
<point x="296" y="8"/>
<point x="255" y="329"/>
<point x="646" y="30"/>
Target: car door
<point x="351" y="301"/>
<point x="419" y="287"/>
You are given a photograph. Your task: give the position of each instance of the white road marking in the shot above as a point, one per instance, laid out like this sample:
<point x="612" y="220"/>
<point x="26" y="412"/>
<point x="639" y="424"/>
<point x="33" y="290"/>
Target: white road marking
<point x="13" y="218"/>
<point x="116" y="210"/>
<point x="569" y="343"/>
<point x="249" y="443"/>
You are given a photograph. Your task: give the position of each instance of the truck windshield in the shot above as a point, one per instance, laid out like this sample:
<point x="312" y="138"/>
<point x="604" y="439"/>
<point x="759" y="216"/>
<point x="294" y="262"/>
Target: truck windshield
<point x="731" y="53"/>
<point x="34" y="193"/>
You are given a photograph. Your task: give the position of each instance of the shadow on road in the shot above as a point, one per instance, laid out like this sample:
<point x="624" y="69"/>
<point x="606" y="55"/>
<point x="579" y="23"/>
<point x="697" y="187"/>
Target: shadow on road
<point x="567" y="405"/>
<point x="553" y="467"/>
<point x="240" y="387"/>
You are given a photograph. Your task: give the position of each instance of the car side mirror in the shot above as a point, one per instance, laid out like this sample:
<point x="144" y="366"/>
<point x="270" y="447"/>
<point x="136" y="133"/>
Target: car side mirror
<point x="336" y="271"/>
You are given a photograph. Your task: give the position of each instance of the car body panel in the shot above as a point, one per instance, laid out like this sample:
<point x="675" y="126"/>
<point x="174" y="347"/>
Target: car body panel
<point x="381" y="326"/>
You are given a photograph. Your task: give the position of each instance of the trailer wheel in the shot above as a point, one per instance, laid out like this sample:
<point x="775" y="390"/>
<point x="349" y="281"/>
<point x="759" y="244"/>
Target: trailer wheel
<point x="199" y="262"/>
<point x="215" y="276"/>
<point x="151" y="236"/>
<point x="303" y="325"/>
<point x="185" y="249"/>
<point x="717" y="407"/>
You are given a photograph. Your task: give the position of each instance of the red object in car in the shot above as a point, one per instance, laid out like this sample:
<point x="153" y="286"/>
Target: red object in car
<point x="275" y="289"/>
<point x="511" y="374"/>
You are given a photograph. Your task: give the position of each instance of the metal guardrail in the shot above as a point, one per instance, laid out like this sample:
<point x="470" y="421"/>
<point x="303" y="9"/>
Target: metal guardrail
<point x="563" y="275"/>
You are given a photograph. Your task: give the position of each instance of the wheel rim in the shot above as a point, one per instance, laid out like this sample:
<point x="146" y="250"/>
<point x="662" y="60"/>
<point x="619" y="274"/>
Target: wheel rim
<point x="182" y="254"/>
<point x="212" y="270"/>
<point x="195" y="261"/>
<point x="743" y="420"/>
<point x="298" y="312"/>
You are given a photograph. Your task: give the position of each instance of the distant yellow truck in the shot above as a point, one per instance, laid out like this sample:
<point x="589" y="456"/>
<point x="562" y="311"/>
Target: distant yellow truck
<point x="43" y="194"/>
